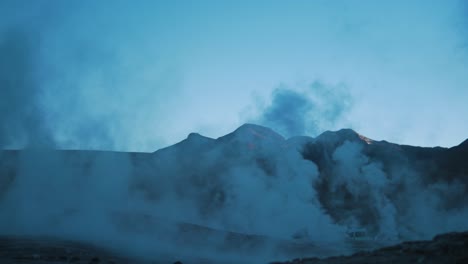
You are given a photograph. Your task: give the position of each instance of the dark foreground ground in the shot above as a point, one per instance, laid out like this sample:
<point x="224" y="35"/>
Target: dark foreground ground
<point x="48" y="250"/>
<point x="447" y="248"/>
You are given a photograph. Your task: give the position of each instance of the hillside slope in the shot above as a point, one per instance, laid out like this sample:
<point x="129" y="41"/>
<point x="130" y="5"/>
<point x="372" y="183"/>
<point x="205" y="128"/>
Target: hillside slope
<point x="251" y="193"/>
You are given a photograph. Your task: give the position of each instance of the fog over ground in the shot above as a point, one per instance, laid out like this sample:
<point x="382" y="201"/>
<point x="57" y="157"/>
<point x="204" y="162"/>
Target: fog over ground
<point x="181" y="202"/>
<point x="111" y="75"/>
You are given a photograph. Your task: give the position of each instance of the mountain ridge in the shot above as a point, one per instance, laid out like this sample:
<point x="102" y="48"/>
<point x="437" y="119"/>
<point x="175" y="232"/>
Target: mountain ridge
<point x="259" y="131"/>
<point x="250" y="182"/>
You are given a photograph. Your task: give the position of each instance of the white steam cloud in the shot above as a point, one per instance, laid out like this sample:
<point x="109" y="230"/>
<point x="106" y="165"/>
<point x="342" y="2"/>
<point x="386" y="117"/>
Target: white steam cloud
<point x="249" y="196"/>
<point x="310" y="110"/>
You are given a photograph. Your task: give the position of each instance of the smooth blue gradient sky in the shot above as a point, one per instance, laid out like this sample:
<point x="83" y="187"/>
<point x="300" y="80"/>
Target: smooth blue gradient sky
<point x="140" y="75"/>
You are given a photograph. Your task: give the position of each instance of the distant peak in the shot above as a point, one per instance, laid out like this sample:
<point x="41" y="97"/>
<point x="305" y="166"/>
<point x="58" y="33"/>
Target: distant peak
<point x="343" y="134"/>
<point x="253" y="126"/>
<point x="347" y="131"/>
<point x="194" y="135"/>
<point x="197" y="136"/>
<point x="464" y="143"/>
<point x="258" y="130"/>
<point x="253" y="132"/>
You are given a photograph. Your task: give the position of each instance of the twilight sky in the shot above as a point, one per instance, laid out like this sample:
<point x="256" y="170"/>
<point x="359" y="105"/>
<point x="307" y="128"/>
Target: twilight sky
<point x="140" y="75"/>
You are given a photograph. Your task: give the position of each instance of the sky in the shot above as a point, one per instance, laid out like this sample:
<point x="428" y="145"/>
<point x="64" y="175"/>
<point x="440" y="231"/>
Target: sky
<point x="141" y="75"/>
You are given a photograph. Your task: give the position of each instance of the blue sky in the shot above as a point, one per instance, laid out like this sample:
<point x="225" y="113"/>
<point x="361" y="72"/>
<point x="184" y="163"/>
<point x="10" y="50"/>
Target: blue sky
<point x="140" y="75"/>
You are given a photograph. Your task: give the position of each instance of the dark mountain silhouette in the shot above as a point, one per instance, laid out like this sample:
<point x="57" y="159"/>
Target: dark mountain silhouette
<point x="251" y="195"/>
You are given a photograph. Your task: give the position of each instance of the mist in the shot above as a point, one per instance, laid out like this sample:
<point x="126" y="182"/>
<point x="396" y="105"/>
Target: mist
<point x="115" y="76"/>
<point x="251" y="196"/>
<point x="387" y="193"/>
<point x="74" y="83"/>
<point x="92" y="91"/>
<point x="306" y="109"/>
<point x="21" y="116"/>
